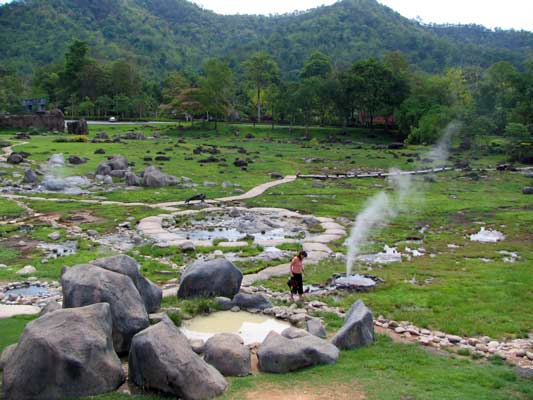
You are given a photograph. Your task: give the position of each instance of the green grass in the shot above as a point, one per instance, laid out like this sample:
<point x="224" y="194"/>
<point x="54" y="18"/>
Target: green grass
<point x="387" y="371"/>
<point x="11" y="329"/>
<point x="9" y="209"/>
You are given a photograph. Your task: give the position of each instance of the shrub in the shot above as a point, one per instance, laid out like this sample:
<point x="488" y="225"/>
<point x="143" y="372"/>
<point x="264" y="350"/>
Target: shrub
<point x="73" y="139"/>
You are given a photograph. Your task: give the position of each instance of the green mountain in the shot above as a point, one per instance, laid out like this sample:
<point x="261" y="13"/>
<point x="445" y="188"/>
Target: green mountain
<point x="165" y="35"/>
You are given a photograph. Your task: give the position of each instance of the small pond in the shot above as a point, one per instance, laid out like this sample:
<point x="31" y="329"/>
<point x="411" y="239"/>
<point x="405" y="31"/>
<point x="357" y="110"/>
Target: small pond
<point x="230" y="234"/>
<point x="252" y="328"/>
<point x="28" y="291"/>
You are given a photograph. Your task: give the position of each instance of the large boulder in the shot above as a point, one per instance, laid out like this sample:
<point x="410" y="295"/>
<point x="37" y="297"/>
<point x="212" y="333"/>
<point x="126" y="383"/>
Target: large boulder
<point x="150" y="293"/>
<point x="15" y="158"/>
<point x="6" y="355"/>
<point x="251" y="301"/>
<point x="228" y="354"/>
<point x="113" y="163"/>
<point x="279" y="354"/>
<point x="78" y="127"/>
<point x="132" y="179"/>
<point x="154" y="178"/>
<point x="118" y="163"/>
<point x="358" y="328"/>
<point x="64" y="354"/>
<point x="30" y="176"/>
<point x="527" y="190"/>
<point x="88" y="284"/>
<point x="162" y="359"/>
<point x="212" y="278"/>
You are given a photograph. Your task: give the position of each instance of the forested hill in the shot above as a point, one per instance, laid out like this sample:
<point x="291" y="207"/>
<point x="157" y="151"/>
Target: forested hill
<point x="166" y="35"/>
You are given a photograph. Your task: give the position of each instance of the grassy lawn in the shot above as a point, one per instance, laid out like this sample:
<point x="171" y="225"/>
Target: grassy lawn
<point x="472" y="290"/>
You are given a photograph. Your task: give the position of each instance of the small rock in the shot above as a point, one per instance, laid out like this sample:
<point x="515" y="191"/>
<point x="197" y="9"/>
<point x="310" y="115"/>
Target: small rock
<point x="235" y="309"/>
<point x="187" y="246"/>
<point x="198" y="346"/>
<point x="399" y="330"/>
<point x="54" y="236"/>
<point x="3" y="266"/>
<point x="529" y="355"/>
<point x="316" y="328"/>
<point x="454" y="338"/>
<point x="27" y="270"/>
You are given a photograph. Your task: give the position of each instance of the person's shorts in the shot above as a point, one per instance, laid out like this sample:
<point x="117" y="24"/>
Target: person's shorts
<point x="298" y="286"/>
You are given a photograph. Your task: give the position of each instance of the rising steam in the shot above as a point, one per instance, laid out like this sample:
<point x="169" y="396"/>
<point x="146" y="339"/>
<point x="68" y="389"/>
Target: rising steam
<point x="383" y="207"/>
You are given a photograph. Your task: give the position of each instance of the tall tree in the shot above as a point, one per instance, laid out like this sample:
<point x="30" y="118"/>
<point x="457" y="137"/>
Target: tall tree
<point x="75" y="61"/>
<point x="317" y="65"/>
<point x="216" y="88"/>
<point x="261" y="70"/>
<point x="375" y="87"/>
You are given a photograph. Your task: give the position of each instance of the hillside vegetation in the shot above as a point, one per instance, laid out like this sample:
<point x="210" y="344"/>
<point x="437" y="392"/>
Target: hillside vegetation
<point x="165" y="35"/>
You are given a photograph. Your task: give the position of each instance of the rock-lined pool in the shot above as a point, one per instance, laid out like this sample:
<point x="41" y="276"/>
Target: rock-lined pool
<point x="252" y="328"/>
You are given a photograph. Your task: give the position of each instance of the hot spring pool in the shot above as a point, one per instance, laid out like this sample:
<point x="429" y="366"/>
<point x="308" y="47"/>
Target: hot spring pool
<point x="252" y="328"/>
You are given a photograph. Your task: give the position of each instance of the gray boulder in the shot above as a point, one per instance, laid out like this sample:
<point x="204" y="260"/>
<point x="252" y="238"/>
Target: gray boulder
<point x="251" y="301"/>
<point x="224" y="303"/>
<point x="316" y="328"/>
<point x="6" y="355"/>
<point x="15" y="158"/>
<point x="527" y="190"/>
<point x="118" y="163"/>
<point x="132" y="179"/>
<point x="150" y="293"/>
<point x="78" y="127"/>
<point x="280" y="355"/>
<point x="228" y="354"/>
<point x="64" y="354"/>
<point x="76" y="160"/>
<point x="30" y="177"/>
<point x="212" y="278"/>
<point x="117" y="173"/>
<point x="161" y="359"/>
<point x="358" y="328"/>
<point x="88" y="284"/>
<point x="103" y="169"/>
<point x="154" y="178"/>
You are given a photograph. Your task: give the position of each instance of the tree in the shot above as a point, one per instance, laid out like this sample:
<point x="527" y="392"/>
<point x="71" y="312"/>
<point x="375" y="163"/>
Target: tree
<point x="103" y="105"/>
<point x="216" y="88"/>
<point x="375" y="87"/>
<point x="317" y="65"/>
<point x="124" y="79"/>
<point x="75" y="61"/>
<point x="261" y="70"/>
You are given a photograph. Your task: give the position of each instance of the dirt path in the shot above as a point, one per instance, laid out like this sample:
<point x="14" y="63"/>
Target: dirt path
<point x="6" y="151"/>
<point x="167" y="206"/>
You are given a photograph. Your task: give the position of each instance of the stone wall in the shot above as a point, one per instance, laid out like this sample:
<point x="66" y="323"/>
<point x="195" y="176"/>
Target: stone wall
<point x="51" y="121"/>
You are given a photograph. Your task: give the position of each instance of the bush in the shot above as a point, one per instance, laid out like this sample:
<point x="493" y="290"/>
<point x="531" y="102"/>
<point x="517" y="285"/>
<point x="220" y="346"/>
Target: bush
<point x="73" y="139"/>
<point x="516" y="130"/>
<point x="431" y="125"/>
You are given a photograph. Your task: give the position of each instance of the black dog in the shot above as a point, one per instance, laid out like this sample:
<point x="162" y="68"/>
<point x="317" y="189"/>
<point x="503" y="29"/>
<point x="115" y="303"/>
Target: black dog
<point x="199" y="197"/>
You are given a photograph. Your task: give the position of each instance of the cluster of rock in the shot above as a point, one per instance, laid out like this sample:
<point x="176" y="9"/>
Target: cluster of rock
<point x="118" y="167"/>
<point x="50" y="293"/>
<point x="72" y="352"/>
<point x="517" y="350"/>
<point x="293" y="349"/>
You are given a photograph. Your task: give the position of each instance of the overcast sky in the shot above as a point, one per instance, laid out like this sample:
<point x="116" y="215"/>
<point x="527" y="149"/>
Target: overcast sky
<point x="517" y="14"/>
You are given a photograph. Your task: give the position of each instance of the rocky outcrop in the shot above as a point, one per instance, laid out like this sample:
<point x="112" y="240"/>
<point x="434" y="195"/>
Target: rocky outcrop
<point x="150" y="293"/>
<point x="88" y="284"/>
<point x="49" y="121"/>
<point x="113" y="163"/>
<point x="154" y="178"/>
<point x="78" y="127"/>
<point x="358" y="328"/>
<point x="161" y="359"/>
<point x="217" y="277"/>
<point x="64" y="354"/>
<point x="228" y="354"/>
<point x="278" y="354"/>
<point x="251" y="301"/>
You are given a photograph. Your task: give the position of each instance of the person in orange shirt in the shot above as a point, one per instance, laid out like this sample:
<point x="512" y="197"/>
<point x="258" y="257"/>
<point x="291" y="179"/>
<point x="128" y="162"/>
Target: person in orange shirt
<point x="297" y="270"/>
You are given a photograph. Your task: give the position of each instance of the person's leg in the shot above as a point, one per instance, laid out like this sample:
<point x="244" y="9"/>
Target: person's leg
<point x="300" y="286"/>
